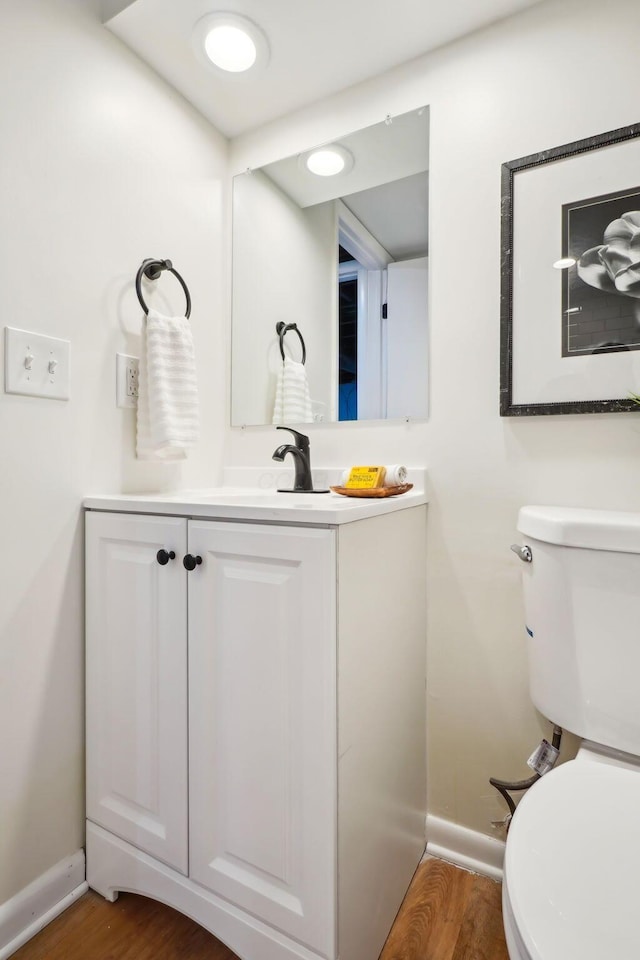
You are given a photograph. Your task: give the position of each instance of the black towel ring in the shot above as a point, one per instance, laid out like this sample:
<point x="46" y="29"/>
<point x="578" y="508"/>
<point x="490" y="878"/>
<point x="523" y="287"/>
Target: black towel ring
<point x="152" y="269"/>
<point x="282" y="329"/>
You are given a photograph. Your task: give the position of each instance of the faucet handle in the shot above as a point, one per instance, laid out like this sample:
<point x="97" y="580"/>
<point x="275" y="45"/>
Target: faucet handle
<point x="302" y="441"/>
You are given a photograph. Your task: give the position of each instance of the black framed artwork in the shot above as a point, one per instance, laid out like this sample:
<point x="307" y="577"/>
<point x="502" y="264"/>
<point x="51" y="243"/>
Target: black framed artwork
<point x="570" y="278"/>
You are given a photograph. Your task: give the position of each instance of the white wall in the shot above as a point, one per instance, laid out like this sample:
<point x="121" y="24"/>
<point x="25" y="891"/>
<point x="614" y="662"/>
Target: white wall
<point x="285" y="260"/>
<point x="558" y="72"/>
<point x="101" y="165"/>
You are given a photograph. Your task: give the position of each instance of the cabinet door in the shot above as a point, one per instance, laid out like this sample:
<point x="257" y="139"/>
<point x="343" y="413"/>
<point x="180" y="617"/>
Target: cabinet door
<point x="263" y="723"/>
<point x="137" y="682"/>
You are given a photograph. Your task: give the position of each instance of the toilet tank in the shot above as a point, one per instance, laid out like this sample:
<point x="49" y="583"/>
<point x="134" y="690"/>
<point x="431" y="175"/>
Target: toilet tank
<point x="582" y="619"/>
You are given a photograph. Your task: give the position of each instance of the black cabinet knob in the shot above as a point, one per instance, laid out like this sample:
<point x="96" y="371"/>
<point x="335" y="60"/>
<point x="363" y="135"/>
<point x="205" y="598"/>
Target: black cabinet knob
<point x="163" y="557"/>
<point x="190" y="562"/>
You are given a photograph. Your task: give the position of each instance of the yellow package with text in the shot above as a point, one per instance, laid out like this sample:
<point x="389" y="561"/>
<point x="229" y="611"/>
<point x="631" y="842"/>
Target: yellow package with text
<point x="365" y="478"/>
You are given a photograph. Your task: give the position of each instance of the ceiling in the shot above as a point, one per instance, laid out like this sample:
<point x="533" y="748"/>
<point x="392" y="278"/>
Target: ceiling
<point x="396" y="215"/>
<point x="318" y="47"/>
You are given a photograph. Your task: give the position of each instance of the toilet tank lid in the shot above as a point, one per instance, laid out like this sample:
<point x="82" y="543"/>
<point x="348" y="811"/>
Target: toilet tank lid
<point x="576" y="527"/>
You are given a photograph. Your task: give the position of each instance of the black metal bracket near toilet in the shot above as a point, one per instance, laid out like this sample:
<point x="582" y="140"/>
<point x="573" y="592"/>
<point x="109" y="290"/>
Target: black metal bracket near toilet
<point x="506" y="787"/>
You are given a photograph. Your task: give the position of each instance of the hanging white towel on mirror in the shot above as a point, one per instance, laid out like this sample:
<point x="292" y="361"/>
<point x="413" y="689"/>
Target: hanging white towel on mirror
<point x="167" y="422"/>
<point x="293" y="401"/>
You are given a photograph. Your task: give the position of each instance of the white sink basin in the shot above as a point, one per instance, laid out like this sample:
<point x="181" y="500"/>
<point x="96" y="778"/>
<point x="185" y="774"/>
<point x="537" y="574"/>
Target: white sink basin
<point x="268" y="498"/>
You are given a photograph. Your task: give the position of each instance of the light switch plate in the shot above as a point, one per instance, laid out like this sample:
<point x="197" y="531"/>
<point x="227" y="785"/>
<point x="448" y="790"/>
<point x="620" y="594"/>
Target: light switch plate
<point x="35" y="365"/>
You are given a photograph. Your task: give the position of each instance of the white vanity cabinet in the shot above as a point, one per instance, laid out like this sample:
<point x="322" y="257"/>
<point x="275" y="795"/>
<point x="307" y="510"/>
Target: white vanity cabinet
<point x="255" y="725"/>
<point x="263" y="723"/>
<point x="136" y="662"/>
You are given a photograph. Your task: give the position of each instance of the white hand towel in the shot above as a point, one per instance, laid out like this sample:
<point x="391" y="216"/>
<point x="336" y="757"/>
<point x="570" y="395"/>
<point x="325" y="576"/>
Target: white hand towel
<point x="293" y="401"/>
<point x="167" y="389"/>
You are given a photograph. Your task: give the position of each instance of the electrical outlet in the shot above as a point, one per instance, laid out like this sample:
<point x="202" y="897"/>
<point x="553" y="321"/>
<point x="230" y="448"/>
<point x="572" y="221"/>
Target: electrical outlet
<point x="126" y="380"/>
<point x="132" y="378"/>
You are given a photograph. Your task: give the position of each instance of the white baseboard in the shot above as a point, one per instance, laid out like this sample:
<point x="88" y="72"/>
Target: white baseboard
<point x="41" y="902"/>
<point x="464" y="848"/>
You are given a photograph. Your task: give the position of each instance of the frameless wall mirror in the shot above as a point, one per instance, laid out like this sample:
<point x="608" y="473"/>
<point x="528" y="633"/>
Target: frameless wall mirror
<point x="338" y="264"/>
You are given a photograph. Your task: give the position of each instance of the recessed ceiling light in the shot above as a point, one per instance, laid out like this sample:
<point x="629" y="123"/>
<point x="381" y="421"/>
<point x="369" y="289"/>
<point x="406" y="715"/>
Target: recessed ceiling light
<point x="328" y="161"/>
<point x="230" y="48"/>
<point x="230" y="43"/>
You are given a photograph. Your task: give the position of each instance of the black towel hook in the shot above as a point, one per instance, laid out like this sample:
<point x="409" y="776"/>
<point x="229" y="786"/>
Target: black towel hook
<point x="152" y="269"/>
<point x="282" y="329"/>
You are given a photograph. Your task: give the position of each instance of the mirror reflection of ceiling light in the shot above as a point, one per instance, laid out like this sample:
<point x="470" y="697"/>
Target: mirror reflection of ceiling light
<point x="230" y="43"/>
<point x="328" y="161"/>
<point x="564" y="263"/>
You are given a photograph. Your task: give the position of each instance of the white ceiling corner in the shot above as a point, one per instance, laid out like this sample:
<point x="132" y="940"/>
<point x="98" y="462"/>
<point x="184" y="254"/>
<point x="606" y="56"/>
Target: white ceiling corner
<point x="318" y="47"/>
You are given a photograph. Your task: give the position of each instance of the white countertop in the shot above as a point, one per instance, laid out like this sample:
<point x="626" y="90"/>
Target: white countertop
<point x="245" y="503"/>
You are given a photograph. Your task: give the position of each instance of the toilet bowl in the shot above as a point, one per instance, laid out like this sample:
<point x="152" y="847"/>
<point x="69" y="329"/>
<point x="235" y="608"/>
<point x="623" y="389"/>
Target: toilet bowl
<point x="572" y="857"/>
<point x="570" y="884"/>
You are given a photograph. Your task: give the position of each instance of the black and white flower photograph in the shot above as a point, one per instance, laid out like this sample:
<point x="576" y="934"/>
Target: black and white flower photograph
<point x="601" y="284"/>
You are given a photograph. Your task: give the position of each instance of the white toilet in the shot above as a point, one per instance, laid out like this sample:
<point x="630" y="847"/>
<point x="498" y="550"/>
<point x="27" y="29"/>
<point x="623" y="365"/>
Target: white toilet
<point x="572" y="864"/>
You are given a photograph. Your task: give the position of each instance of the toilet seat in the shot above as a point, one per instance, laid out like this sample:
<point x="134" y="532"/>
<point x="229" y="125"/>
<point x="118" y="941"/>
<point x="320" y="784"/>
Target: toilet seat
<point x="572" y="862"/>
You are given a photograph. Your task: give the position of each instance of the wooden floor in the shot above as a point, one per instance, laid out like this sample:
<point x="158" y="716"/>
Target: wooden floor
<point x="447" y="914"/>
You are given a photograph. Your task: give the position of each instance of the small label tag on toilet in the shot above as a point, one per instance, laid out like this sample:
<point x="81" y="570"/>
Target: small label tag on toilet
<point x="543" y="758"/>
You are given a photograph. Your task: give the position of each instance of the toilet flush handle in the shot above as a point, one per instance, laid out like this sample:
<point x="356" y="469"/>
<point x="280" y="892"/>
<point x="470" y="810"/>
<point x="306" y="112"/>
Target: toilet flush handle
<point x="523" y="552"/>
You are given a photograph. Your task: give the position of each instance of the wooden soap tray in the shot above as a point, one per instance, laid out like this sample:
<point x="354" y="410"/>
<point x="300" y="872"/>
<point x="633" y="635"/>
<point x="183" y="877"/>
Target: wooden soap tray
<point x="373" y="491"/>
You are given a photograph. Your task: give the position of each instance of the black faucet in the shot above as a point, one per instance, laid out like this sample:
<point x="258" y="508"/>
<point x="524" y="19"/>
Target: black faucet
<point x="303" y="481"/>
